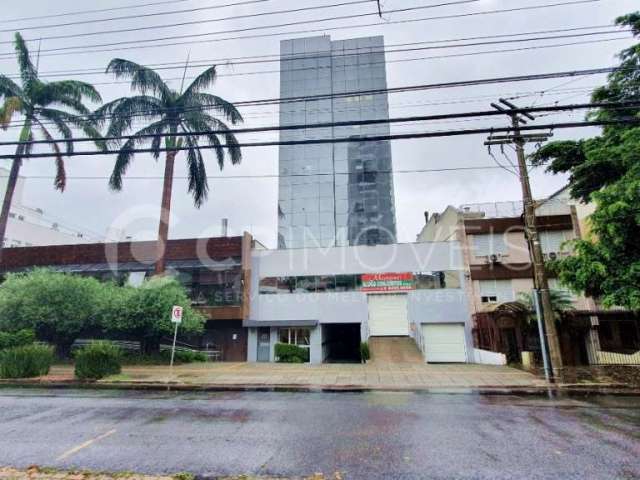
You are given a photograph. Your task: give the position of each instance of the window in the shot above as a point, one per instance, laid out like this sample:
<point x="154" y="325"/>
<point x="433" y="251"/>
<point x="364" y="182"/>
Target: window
<point x="496" y="291"/>
<point x="347" y="283"/>
<point x="326" y="284"/>
<point x="489" y="244"/>
<point x="295" y="336"/>
<point x="551" y="242"/>
<point x="286" y="284"/>
<point x="306" y="284"/>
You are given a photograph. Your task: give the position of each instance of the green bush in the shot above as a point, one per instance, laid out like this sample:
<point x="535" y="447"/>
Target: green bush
<point x="286" y="353"/>
<point x="365" y="353"/>
<point x="16" y="339"/>
<point x="187" y="356"/>
<point x="163" y="357"/>
<point x="97" y="360"/>
<point x="26" y="361"/>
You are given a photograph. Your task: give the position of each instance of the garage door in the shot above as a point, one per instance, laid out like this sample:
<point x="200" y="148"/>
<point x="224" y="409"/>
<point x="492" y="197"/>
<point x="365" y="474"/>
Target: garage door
<point x="444" y="342"/>
<point x="388" y="315"/>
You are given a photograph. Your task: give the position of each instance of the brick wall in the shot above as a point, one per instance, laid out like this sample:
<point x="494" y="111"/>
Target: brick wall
<point x="185" y="249"/>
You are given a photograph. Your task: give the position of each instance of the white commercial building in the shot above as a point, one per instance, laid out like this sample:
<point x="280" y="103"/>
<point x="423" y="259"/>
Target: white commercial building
<point x="28" y="226"/>
<point x="330" y="299"/>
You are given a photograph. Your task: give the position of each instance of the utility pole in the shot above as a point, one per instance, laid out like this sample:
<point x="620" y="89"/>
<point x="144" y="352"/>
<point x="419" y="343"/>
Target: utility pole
<point x="531" y="231"/>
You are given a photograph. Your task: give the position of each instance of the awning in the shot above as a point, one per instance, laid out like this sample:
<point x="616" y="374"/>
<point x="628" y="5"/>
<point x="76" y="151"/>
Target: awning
<point x="280" y="323"/>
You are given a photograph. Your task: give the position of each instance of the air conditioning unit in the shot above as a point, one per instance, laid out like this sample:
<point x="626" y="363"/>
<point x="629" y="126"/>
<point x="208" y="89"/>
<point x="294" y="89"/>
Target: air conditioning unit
<point x="494" y="258"/>
<point x="552" y="256"/>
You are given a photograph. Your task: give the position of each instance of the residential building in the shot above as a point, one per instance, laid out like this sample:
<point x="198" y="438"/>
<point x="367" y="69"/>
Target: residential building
<point x="499" y="271"/>
<point x="29" y="226"/>
<point x="330" y="299"/>
<point x="215" y="271"/>
<point x="334" y="194"/>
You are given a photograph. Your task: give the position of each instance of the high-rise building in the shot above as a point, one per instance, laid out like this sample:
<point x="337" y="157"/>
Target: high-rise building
<point x="334" y="194"/>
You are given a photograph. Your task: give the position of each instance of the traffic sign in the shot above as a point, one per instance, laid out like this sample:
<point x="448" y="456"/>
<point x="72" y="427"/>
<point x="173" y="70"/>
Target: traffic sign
<point x="176" y="314"/>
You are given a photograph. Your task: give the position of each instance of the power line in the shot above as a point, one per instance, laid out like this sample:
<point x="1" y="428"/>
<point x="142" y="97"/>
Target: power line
<point x="245" y="29"/>
<point x="100" y="10"/>
<point x="349" y="123"/>
<point x="357" y="52"/>
<point x="406" y="105"/>
<point x="353" y="139"/>
<point x="140" y="15"/>
<point x="394" y="90"/>
<point x="121" y="46"/>
<point x="267" y="176"/>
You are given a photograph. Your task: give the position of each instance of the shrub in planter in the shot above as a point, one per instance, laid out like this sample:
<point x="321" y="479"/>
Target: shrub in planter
<point x="97" y="360"/>
<point x="286" y="353"/>
<point x="26" y="361"/>
<point x="16" y="339"/>
<point x="365" y="354"/>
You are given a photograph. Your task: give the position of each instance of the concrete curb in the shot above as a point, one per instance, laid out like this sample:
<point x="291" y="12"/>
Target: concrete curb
<point x="571" y="389"/>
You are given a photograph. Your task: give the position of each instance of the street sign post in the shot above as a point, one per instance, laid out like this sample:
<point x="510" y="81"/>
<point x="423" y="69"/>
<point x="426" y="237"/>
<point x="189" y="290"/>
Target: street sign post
<point x="176" y="319"/>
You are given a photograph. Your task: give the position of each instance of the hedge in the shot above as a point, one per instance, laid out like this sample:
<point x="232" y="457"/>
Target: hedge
<point x="286" y="353"/>
<point x="26" y="361"/>
<point x="97" y="360"/>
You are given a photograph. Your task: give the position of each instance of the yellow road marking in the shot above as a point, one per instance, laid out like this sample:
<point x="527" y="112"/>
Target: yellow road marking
<point x="68" y="453"/>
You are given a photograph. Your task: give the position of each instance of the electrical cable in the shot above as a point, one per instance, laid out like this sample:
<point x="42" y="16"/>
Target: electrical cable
<point x="321" y="141"/>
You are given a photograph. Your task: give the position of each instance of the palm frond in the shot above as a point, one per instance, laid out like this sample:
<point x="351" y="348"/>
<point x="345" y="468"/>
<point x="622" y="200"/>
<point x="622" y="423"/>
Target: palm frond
<point x="198" y="102"/>
<point x="126" y="153"/>
<point x="75" y="105"/>
<point x="60" y="180"/>
<point x="123" y="160"/>
<point x="142" y="78"/>
<point x="73" y="89"/>
<point x="202" y="81"/>
<point x="60" y="117"/>
<point x="198" y="184"/>
<point x="54" y="117"/>
<point x="123" y="111"/>
<point x="9" y="88"/>
<point x="27" y="69"/>
<point x="11" y="105"/>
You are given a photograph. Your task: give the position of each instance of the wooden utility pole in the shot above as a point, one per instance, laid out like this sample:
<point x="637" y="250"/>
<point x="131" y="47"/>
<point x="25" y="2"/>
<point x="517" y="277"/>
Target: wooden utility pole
<point x="540" y="275"/>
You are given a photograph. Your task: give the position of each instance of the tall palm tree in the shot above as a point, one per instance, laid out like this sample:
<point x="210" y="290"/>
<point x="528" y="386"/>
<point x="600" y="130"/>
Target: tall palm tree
<point x="35" y="101"/>
<point x="179" y="114"/>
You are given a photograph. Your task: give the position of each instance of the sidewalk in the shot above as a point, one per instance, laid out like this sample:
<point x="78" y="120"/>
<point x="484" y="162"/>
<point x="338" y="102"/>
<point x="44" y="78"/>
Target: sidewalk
<point x="372" y="376"/>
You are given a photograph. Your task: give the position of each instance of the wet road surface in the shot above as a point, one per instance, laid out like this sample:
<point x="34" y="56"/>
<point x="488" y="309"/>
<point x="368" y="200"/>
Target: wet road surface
<point x="362" y="435"/>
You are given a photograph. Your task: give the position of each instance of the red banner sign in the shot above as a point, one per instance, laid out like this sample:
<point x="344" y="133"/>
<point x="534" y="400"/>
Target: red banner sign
<point x="387" y="282"/>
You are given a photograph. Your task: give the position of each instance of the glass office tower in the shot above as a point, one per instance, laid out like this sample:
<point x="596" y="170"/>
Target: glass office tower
<point x="334" y="194"/>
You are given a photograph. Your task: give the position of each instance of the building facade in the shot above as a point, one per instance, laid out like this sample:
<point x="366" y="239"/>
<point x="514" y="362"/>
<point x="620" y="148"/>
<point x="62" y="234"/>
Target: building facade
<point x="497" y="263"/>
<point x="329" y="300"/>
<point x="215" y="271"/>
<point x="29" y="226"/>
<point x="334" y="194"/>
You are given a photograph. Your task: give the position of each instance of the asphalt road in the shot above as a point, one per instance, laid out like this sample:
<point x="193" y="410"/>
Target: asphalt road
<point x="361" y="435"/>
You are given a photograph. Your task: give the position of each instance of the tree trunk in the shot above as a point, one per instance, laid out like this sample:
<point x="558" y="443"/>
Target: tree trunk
<point x="8" y="197"/>
<point x="165" y="212"/>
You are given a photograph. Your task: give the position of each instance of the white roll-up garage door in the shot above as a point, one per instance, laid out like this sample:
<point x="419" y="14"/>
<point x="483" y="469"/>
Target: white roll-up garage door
<point x="444" y="342"/>
<point x="388" y="315"/>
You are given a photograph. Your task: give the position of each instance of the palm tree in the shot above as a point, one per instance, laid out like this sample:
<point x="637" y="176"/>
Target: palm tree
<point x="35" y="101"/>
<point x="178" y="114"/>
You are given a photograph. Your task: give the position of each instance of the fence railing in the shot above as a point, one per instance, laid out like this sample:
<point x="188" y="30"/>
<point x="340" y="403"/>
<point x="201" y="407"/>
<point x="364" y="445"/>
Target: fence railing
<point x="617" y="358"/>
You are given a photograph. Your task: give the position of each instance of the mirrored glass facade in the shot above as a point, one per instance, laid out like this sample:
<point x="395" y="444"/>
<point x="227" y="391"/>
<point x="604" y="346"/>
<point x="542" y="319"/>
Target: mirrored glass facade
<point x="334" y="194"/>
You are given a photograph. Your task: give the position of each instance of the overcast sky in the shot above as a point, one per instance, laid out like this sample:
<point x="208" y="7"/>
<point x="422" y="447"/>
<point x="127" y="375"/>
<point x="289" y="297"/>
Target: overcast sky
<point x="251" y="204"/>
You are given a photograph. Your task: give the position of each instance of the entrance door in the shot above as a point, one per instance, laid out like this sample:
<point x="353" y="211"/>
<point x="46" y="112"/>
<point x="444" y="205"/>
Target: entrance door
<point x="444" y="343"/>
<point x="264" y="344"/>
<point x="388" y="315"/>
